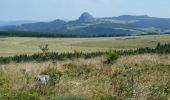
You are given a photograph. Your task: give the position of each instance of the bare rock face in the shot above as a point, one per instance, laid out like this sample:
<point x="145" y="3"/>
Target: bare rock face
<point x="86" y="17"/>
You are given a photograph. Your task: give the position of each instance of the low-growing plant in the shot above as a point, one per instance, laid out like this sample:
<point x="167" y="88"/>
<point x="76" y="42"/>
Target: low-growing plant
<point x="69" y="97"/>
<point x="125" y="83"/>
<point x="159" y="92"/>
<point x="106" y="97"/>
<point x="4" y="82"/>
<point x="119" y="83"/>
<point x="73" y="70"/>
<point x="55" y="75"/>
<point x="111" y="57"/>
<point x="20" y="95"/>
<point x="44" y="49"/>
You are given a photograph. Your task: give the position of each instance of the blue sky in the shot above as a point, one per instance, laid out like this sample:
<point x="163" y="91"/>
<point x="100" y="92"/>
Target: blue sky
<point x="44" y="10"/>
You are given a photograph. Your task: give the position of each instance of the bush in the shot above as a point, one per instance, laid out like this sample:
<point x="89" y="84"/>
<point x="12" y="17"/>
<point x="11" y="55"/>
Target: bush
<point x="111" y="57"/>
<point x="55" y="75"/>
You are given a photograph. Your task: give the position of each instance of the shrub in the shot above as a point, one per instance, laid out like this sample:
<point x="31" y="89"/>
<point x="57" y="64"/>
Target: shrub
<point x="44" y="48"/>
<point x="55" y="75"/>
<point x="111" y="57"/>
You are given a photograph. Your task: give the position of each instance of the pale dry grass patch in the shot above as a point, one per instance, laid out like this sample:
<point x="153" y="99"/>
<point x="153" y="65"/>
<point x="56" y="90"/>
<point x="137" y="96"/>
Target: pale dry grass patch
<point x="21" y="45"/>
<point x="97" y="83"/>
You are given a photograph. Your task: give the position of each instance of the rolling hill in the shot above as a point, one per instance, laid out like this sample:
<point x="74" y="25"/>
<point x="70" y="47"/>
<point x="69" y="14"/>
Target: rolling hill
<point x="86" y="24"/>
<point x="17" y="23"/>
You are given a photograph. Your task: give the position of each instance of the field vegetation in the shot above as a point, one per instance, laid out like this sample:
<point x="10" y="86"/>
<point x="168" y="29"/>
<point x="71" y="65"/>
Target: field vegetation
<point x="133" y="73"/>
<point x="10" y="46"/>
<point x="138" y="77"/>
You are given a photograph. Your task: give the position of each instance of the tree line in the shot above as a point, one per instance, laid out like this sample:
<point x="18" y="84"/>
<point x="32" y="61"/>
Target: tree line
<point x="13" y="33"/>
<point x="52" y="35"/>
<point x="45" y="55"/>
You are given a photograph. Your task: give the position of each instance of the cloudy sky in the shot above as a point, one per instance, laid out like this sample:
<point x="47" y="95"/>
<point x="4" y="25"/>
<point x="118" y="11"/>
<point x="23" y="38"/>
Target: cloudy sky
<point x="44" y="10"/>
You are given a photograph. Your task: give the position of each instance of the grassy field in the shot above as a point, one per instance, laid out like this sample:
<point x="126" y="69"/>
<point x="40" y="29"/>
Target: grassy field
<point x="107" y="77"/>
<point x="89" y="79"/>
<point x="16" y="45"/>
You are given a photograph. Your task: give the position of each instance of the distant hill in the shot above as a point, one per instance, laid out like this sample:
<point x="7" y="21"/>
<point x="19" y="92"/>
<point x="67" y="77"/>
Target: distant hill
<point x="86" y="24"/>
<point x="20" y="22"/>
<point x="43" y="26"/>
<point x="130" y="17"/>
<point x="86" y="17"/>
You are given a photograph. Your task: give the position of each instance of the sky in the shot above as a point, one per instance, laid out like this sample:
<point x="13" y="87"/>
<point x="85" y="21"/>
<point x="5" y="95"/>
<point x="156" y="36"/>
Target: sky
<point x="45" y="10"/>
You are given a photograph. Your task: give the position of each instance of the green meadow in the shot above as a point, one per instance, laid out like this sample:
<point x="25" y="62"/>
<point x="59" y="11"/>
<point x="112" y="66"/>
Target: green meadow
<point x="111" y="76"/>
<point x="10" y="46"/>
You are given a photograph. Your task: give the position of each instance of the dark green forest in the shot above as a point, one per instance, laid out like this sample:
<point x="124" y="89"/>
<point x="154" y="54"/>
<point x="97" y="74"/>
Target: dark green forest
<point x="50" y="35"/>
<point x="53" y="35"/>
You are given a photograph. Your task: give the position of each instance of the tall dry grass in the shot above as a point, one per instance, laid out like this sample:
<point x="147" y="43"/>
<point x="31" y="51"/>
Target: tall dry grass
<point x="90" y="79"/>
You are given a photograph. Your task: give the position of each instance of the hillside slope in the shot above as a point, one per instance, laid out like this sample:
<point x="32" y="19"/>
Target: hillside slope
<point x="86" y="24"/>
